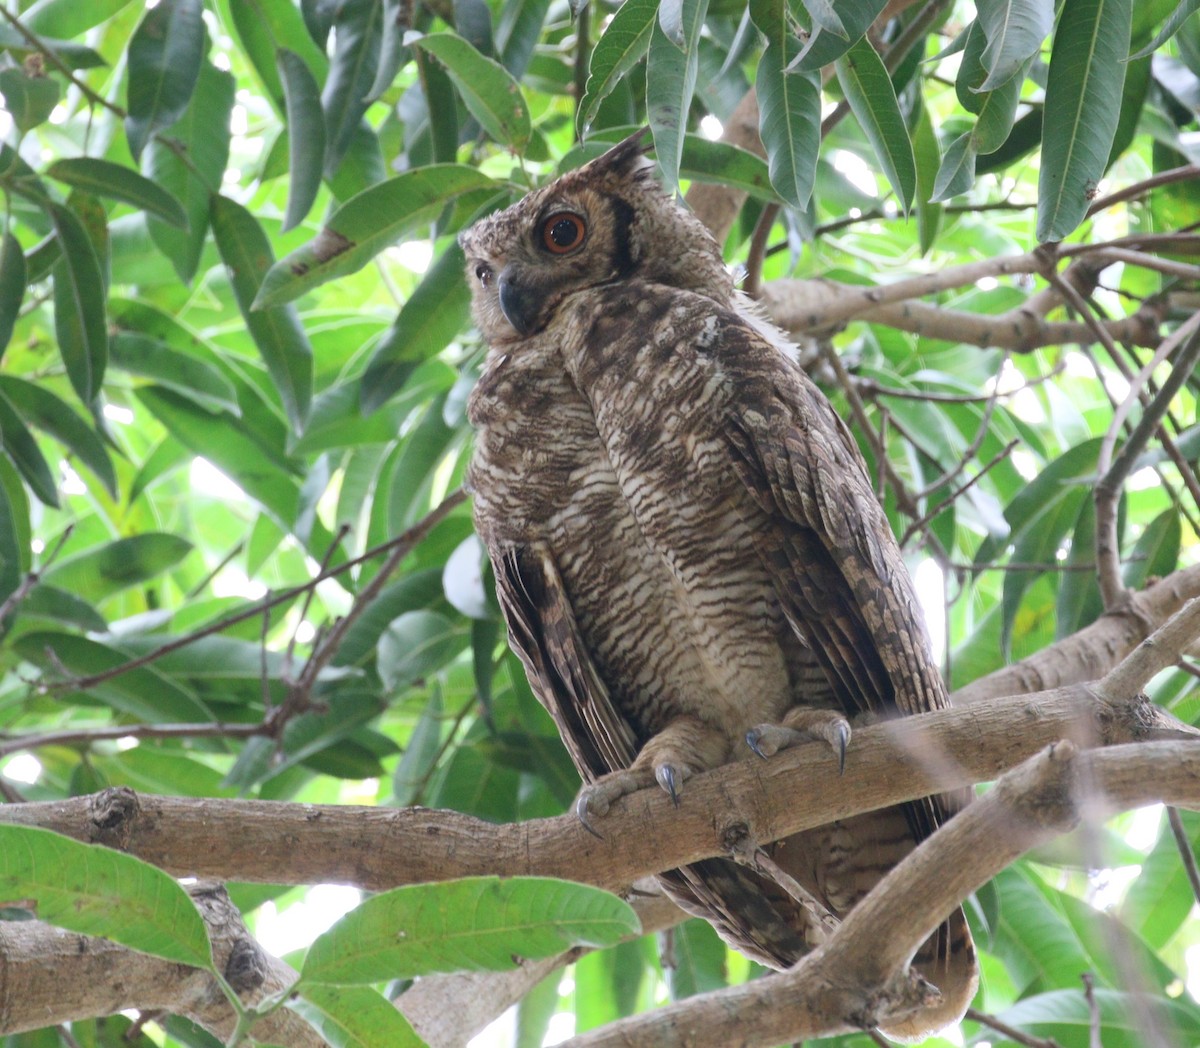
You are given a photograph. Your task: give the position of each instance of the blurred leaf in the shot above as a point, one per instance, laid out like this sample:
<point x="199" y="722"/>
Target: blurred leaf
<point x="277" y="331"/>
<point x="24" y="453"/>
<point x="417" y="644"/>
<point x="670" y="82"/>
<point x="345" y="97"/>
<point x="869" y="91"/>
<point x="98" y="891"/>
<point x="355" y="233"/>
<point x="1083" y="103"/>
<point x="355" y="1017"/>
<point x="110" y="567"/>
<point x="28" y="99"/>
<point x="306" y="136"/>
<point x="202" y="134"/>
<point x="154" y="359"/>
<point x="79" y="308"/>
<point x="622" y="46"/>
<point x="490" y="94"/>
<point x="107" y="179"/>
<point x="790" y="109"/>
<point x="67" y="18"/>
<point x="1156" y="552"/>
<point x="13" y="280"/>
<point x="473" y="924"/>
<point x="1170" y="27"/>
<point x="164" y="66"/>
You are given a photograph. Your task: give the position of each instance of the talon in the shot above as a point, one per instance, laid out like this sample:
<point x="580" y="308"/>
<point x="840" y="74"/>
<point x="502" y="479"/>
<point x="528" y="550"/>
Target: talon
<point x="665" y="774"/>
<point x="752" y="738"/>
<point x="843" y="735"/>
<point x="581" y="813"/>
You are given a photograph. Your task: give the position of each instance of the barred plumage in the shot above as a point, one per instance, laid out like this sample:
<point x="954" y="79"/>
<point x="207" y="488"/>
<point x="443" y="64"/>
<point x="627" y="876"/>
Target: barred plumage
<point x="686" y="545"/>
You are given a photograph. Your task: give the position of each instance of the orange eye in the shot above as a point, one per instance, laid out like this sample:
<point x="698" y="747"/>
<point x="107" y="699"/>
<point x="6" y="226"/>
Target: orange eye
<point x="563" y="232"/>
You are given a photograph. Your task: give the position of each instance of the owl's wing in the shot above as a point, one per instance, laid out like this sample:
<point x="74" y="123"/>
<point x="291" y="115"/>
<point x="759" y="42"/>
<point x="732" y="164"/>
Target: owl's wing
<point x="837" y="567"/>
<point x="543" y="631"/>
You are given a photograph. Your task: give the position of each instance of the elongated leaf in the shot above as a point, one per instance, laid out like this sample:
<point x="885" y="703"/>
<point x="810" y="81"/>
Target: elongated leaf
<point x="869" y="91"/>
<point x="203" y="132"/>
<point x="1014" y="30"/>
<point x="79" y="319"/>
<point x="25" y="454"/>
<point x="957" y="173"/>
<point x="789" y="110"/>
<point x="155" y="359"/>
<point x="164" y="64"/>
<point x="98" y="891"/>
<point x="927" y="155"/>
<point x="1083" y="103"/>
<point x="68" y="18"/>
<point x="117" y="182"/>
<point x="1171" y="26"/>
<point x="825" y="17"/>
<point x="670" y="84"/>
<point x="73" y="55"/>
<point x="477" y="923"/>
<point x="487" y="89"/>
<point x="355" y="1017"/>
<point x="824" y="46"/>
<point x="366" y="224"/>
<point x="393" y="54"/>
<point x="620" y="48"/>
<point x="306" y="136"/>
<point x="265" y="27"/>
<point x="113" y="566"/>
<point x="433" y="314"/>
<point x="12" y="563"/>
<point x="277" y="331"/>
<point x="345" y="97"/>
<point x="13" y="281"/>
<point x="28" y="99"/>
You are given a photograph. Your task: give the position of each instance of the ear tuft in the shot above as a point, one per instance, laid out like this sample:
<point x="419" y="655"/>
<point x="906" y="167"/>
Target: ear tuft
<point x="629" y="156"/>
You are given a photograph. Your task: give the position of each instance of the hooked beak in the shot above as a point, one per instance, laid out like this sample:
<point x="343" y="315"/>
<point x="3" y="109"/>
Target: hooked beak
<point x="518" y="304"/>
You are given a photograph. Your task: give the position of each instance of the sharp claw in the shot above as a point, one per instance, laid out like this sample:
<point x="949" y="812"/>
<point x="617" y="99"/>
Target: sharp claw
<point x="581" y="813"/>
<point x="843" y="738"/>
<point x="665" y="775"/>
<point x="752" y="741"/>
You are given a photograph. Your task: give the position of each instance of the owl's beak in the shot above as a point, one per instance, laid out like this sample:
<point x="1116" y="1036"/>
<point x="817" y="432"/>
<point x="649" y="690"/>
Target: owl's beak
<point x="518" y="304"/>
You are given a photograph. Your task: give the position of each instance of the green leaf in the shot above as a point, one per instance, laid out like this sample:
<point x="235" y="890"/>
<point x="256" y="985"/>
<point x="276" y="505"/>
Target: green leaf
<point x="1083" y="103"/>
<point x="670" y="84"/>
<point x="928" y="158"/>
<point x="99" y="891"/>
<point x="474" y="924"/>
<point x="265" y="27"/>
<point x="616" y="52"/>
<point x="24" y="453"/>
<point x="1065" y="1017"/>
<point x="306" y="136"/>
<point x="487" y="89"/>
<point x="1171" y="26"/>
<point x="417" y="644"/>
<point x="59" y="606"/>
<point x="155" y="359"/>
<point x="72" y="55"/>
<point x="11" y="547"/>
<point x="365" y="225"/>
<point x="825" y="17"/>
<point x="957" y="173"/>
<point x="202" y="135"/>
<point x="355" y="1017"/>
<point x="872" y="98"/>
<point x="164" y="57"/>
<point x="28" y="99"/>
<point x="727" y="165"/>
<point x="110" y="567"/>
<point x="1156" y="553"/>
<point x="69" y="18"/>
<point x="345" y="97"/>
<point x="432" y="315"/>
<point x="79" y="313"/>
<point x="118" y="182"/>
<point x="393" y="54"/>
<point x="13" y="281"/>
<point x="789" y="110"/>
<point x="824" y="46"/>
<point x="1014" y="30"/>
<point x="277" y="331"/>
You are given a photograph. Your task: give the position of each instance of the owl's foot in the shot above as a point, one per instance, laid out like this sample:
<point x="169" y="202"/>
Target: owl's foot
<point x="802" y="725"/>
<point x="599" y="796"/>
<point x="683" y="748"/>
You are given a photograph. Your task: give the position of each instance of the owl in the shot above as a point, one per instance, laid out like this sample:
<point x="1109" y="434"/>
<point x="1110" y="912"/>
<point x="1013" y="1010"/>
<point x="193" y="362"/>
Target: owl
<point x="689" y="556"/>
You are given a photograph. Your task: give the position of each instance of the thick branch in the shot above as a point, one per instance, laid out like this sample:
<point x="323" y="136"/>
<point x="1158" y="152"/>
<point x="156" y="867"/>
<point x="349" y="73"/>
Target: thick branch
<point x="377" y="848"/>
<point x="857" y="980"/>
<point x="93" y="977"/>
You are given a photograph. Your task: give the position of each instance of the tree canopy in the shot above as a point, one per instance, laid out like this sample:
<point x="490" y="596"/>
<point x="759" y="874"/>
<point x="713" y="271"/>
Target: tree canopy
<point x="237" y="563"/>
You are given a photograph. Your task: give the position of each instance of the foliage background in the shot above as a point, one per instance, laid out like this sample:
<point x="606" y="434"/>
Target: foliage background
<point x="172" y="454"/>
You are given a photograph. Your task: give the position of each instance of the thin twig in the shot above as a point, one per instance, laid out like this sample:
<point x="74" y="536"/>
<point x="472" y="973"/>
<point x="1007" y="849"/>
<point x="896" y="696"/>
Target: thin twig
<point x="32" y="578"/>
<point x="1089" y="992"/>
<point x="1011" y="1032"/>
<point x="917" y="525"/>
<point x="1186" y="855"/>
<point x="72" y="737"/>
<point x="403" y="542"/>
<point x="1163" y="178"/>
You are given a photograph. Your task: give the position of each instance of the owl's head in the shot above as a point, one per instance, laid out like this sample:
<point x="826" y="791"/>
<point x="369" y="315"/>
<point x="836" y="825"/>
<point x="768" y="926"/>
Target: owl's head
<point x="606" y="221"/>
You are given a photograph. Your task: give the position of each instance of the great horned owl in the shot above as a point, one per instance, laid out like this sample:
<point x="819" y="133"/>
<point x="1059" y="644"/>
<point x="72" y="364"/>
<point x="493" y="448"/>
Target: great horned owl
<point x="688" y="553"/>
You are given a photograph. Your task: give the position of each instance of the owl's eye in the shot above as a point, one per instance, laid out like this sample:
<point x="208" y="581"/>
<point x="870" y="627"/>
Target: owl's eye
<point x="563" y="232"/>
<point x="483" y="273"/>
